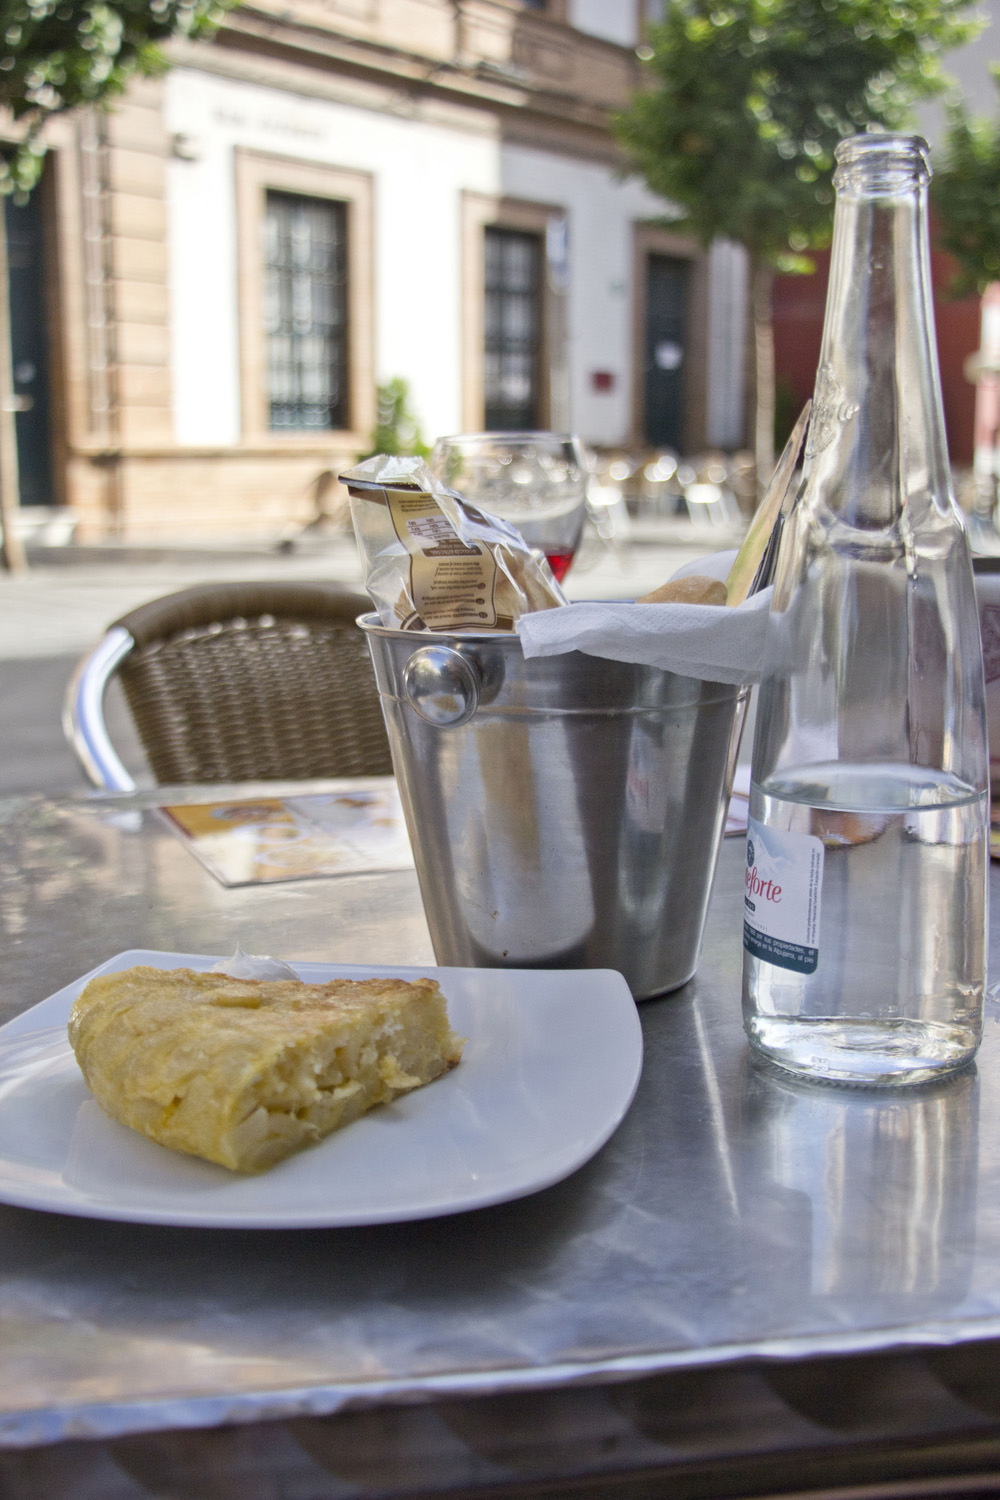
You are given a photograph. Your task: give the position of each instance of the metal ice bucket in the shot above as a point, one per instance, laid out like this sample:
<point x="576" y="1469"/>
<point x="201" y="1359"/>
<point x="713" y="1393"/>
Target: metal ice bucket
<point x="564" y="811"/>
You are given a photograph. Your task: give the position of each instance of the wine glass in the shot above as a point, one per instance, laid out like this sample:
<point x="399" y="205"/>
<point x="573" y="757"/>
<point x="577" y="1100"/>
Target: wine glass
<point x="535" y="480"/>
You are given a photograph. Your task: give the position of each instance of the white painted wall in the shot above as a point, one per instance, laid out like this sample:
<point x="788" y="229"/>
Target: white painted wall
<point x="418" y="170"/>
<point x="201" y="251"/>
<point x="613" y="20"/>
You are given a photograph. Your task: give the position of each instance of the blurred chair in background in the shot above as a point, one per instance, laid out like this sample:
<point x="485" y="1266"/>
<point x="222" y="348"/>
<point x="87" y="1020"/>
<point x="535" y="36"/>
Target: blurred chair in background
<point x="708" y="493"/>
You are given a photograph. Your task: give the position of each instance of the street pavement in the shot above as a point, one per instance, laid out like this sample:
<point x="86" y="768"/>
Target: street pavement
<point x="52" y="614"/>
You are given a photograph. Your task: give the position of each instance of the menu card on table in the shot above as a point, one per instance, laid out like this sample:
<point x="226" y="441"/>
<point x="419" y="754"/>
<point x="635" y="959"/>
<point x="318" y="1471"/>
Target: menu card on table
<point x="356" y="829"/>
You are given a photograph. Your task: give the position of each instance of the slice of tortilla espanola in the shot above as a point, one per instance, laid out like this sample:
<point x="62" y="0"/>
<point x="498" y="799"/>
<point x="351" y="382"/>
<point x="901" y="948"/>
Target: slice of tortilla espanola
<point x="245" y="1071"/>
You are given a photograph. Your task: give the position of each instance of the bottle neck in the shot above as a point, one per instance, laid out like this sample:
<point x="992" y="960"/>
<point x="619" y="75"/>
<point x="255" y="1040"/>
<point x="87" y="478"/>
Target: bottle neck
<point x="877" y="441"/>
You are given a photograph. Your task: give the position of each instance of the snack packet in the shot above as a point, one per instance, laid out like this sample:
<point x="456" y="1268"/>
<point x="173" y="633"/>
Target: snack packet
<point x="434" y="561"/>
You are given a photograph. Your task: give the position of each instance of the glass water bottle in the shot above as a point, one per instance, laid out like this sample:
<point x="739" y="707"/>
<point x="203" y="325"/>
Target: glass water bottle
<point x="867" y="850"/>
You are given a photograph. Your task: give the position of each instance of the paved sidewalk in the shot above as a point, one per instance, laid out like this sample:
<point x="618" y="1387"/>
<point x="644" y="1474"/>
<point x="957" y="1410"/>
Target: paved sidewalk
<point x="64" y="606"/>
<point x="52" y="614"/>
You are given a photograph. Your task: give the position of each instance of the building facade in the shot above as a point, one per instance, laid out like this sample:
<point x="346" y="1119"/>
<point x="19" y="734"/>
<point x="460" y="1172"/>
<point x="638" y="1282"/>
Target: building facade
<point x="214" y="277"/>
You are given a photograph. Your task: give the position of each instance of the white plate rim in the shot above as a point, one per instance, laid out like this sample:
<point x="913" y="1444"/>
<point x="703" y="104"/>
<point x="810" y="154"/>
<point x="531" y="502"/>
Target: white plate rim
<point x="611" y="988"/>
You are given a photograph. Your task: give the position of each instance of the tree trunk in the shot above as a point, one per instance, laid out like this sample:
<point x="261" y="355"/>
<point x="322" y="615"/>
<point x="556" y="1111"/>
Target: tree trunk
<point x="762" y="287"/>
<point x="11" y="552"/>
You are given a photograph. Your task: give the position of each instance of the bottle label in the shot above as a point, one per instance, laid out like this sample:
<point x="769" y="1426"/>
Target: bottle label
<point x="782" y="885"/>
<point x="452" y="582"/>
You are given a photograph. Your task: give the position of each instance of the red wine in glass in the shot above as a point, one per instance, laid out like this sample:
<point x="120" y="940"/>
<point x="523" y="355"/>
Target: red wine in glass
<point x="559" y="559"/>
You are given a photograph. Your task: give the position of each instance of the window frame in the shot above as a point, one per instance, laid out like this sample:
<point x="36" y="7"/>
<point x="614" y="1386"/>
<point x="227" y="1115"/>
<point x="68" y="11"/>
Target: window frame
<point x="257" y="174"/>
<point x="479" y="213"/>
<point x="325" y="221"/>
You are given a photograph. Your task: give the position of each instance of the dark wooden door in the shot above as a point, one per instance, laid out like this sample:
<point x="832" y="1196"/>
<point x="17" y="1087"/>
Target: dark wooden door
<point x="513" y="329"/>
<point x="666" y="330"/>
<point x="27" y="252"/>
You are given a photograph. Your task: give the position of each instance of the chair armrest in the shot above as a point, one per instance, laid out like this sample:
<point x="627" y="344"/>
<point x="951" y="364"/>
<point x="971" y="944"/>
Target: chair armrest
<point x="83" y="712"/>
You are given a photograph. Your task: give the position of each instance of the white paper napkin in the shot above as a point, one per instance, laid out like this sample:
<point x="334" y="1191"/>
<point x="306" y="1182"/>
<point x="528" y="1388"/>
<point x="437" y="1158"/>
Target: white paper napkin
<point x="709" y="641"/>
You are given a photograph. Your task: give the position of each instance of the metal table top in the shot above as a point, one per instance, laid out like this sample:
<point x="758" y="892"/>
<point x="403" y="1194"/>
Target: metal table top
<point x="733" y="1214"/>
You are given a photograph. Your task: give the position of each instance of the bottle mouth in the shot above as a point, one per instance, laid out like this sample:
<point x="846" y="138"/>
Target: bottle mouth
<point x="882" y="162"/>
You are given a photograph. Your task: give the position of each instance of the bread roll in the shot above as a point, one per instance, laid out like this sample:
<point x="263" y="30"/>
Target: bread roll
<point x="694" y="589"/>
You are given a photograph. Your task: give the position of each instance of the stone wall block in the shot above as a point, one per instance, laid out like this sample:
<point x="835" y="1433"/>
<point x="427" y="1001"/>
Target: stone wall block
<point x="140" y="260"/>
<point x="143" y="427"/>
<point x="139" y="215"/>
<point x="143" y="344"/>
<point x="144" y="385"/>
<point x="142" y="301"/>
<point x="138" y="172"/>
<point x="138" y="127"/>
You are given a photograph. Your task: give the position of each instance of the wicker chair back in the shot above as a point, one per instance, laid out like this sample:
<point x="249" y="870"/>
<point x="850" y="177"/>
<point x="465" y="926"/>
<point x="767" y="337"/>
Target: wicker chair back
<point x="254" y="681"/>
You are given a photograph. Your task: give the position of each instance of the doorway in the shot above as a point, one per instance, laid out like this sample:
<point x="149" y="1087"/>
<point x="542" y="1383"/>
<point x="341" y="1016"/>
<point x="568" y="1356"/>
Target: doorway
<point x="667" y="295"/>
<point x="27" y="249"/>
<point x="513" y="330"/>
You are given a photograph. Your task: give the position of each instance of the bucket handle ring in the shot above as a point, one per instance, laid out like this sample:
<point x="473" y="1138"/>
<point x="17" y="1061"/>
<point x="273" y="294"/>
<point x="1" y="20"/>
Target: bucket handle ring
<point x="442" y="686"/>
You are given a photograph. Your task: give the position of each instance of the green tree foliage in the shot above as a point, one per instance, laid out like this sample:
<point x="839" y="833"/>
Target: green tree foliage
<point x="744" y="103"/>
<point x="965" y="192"/>
<point x="396" y="430"/>
<point x="58" y="54"/>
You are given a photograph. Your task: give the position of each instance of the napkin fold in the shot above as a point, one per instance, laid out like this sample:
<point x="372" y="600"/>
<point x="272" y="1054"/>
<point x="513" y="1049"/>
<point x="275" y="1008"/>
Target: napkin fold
<point x="709" y="641"/>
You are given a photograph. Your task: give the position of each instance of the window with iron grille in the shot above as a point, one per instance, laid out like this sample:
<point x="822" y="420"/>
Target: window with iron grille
<point x="305" y="312"/>
<point x="513" y="321"/>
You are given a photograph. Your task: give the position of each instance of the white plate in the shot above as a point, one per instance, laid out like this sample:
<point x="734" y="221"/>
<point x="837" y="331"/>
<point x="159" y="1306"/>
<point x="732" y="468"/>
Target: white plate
<point x="550" y="1067"/>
